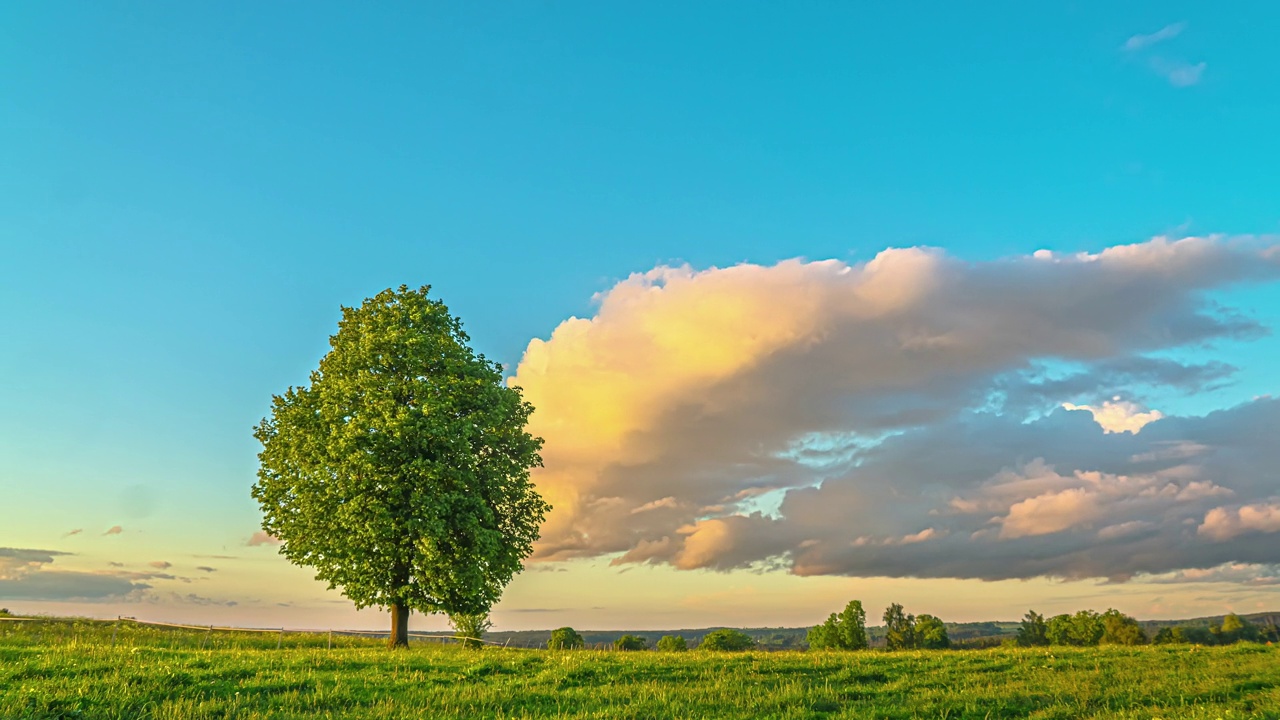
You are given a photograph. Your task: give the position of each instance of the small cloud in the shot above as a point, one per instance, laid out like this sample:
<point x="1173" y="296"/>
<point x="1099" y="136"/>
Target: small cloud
<point x="262" y="538"/>
<point x="1177" y="72"/>
<point x="206" y="568"/>
<point x="160" y="564"/>
<point x="114" y="530"/>
<point x="1118" y="416"/>
<point x="116" y="564"/>
<point x="1138" y="42"/>
<point x="77" y="531"/>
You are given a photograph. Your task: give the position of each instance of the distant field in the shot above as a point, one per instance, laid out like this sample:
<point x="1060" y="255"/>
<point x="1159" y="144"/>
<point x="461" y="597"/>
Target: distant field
<point x="60" y="669"/>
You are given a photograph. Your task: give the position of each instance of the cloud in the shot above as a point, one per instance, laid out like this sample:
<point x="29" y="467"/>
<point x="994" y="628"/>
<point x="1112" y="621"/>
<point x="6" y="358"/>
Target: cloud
<point x="1251" y="574"/>
<point x="206" y="569"/>
<point x="1140" y="42"/>
<point x="68" y="534"/>
<point x="1116" y="415"/>
<point x="160" y="564"/>
<point x="24" y="576"/>
<point x="1178" y="72"/>
<point x="262" y="538"/>
<point x="820" y="414"/>
<point x="1225" y="523"/>
<point x="114" y="530"/>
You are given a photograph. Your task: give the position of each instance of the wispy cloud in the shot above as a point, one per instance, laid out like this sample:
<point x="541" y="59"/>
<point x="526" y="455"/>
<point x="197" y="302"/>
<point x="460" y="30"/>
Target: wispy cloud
<point x="206" y="568"/>
<point x="1179" y="72"/>
<point x="1139" y="42"/>
<point x="114" y="530"/>
<point x="68" y="534"/>
<point x="160" y="564"/>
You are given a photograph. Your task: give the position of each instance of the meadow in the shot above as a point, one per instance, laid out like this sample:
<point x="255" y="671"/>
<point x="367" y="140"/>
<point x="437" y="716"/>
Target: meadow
<point x="86" y="669"/>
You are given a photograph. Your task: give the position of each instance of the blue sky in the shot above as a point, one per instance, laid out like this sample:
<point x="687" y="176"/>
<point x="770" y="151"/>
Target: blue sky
<point x="189" y="193"/>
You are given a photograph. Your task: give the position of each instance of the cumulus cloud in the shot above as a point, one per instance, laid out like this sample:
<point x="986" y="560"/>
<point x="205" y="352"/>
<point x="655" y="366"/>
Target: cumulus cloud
<point x="1225" y="523"/>
<point x="262" y="538"/>
<point x="899" y="417"/>
<point x="24" y="575"/>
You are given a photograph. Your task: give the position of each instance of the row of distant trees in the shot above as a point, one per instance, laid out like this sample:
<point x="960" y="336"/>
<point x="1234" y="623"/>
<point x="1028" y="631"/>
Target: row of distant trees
<point x="847" y="630"/>
<point x="1086" y="628"/>
<point x="566" y="638"/>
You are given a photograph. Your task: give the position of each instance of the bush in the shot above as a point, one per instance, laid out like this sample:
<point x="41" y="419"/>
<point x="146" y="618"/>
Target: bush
<point x="726" y="639"/>
<point x="565" y="638"/>
<point x="672" y="643"/>
<point x="471" y="627"/>
<point x="630" y="642"/>
<point x="4" y="612"/>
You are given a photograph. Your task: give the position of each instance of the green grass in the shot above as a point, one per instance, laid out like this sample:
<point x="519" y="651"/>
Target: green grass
<point x="61" y="669"/>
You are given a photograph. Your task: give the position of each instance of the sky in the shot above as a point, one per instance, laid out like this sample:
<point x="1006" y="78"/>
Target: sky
<point x="970" y="308"/>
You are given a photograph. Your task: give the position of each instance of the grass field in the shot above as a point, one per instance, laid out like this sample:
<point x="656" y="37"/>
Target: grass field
<point x="62" y="669"/>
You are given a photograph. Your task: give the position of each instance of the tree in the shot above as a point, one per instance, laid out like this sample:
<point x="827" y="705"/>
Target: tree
<point x="1084" y="629"/>
<point x="630" y="642"/>
<point x="471" y="628"/>
<point x="846" y="631"/>
<point x="1234" y="629"/>
<point x="401" y="473"/>
<point x="565" y="638"/>
<point x="1058" y="630"/>
<point x="1120" y="629"/>
<point x="899" y="628"/>
<point x="726" y="639"/>
<point x="1034" y="631"/>
<point x="672" y="643"/>
<point x="1169" y="636"/>
<point x="931" y="633"/>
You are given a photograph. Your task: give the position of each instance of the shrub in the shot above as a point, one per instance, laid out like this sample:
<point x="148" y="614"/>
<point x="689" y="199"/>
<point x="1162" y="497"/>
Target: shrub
<point x="672" y="643"/>
<point x="471" y="627"/>
<point x="726" y="639"/>
<point x="565" y="638"/>
<point x="630" y="642"/>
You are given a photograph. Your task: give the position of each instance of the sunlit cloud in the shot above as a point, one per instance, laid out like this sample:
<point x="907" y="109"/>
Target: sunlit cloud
<point x="904" y="416"/>
<point x="114" y="530"/>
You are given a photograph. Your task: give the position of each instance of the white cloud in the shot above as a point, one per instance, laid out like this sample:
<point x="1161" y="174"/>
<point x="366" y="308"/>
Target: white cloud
<point x="1140" y="42"/>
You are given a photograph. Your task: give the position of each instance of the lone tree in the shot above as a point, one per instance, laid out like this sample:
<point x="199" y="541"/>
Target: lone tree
<point x="401" y="473"/>
<point x="565" y="638"/>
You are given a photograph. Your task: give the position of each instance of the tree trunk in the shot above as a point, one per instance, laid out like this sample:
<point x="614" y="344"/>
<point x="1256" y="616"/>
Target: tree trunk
<point x="399" y="626"/>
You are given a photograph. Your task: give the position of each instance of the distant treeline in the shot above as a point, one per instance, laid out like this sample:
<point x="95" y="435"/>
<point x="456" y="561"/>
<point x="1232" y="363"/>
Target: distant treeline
<point x="1216" y="630"/>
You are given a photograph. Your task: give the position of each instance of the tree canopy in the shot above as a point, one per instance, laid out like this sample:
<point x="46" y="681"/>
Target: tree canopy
<point x="565" y="638"/>
<point x="846" y="631"/>
<point x="726" y="639"/>
<point x="401" y="472"/>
